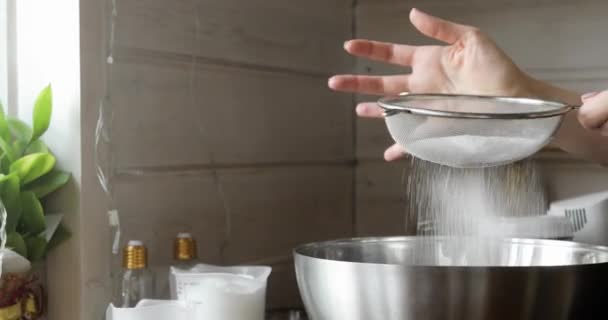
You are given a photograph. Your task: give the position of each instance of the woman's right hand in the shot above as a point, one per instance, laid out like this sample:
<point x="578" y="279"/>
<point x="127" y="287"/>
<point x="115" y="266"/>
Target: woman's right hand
<point x="471" y="63"/>
<point x="593" y="115"/>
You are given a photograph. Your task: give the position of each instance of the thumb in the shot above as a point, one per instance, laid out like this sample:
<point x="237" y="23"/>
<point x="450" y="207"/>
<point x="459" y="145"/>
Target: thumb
<point x="438" y="28"/>
<point x="593" y="114"/>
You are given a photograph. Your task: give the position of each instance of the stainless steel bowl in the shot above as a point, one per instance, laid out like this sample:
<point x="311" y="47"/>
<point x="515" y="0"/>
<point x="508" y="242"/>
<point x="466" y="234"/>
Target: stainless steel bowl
<point x="425" y="278"/>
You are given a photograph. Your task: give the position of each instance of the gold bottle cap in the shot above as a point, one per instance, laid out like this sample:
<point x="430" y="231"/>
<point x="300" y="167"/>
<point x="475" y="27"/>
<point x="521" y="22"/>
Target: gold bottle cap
<point x="184" y="247"/>
<point x="135" y="256"/>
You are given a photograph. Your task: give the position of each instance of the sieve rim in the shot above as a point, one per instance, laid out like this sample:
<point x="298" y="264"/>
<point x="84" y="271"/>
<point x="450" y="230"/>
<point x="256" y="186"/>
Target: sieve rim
<point x="390" y="107"/>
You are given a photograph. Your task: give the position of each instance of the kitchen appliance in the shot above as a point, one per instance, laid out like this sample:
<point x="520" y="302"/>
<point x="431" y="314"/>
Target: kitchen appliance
<point x="589" y="216"/>
<point x="469" y="131"/>
<point x="424" y="278"/>
<point x="535" y="227"/>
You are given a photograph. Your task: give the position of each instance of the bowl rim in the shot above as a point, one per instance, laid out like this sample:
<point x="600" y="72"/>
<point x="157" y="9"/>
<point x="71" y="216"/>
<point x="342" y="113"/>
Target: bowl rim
<point x="304" y="251"/>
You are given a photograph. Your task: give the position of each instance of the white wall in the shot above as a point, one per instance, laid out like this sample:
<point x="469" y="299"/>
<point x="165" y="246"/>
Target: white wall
<point x="49" y="52"/>
<point x="8" y="56"/>
<point x="3" y="52"/>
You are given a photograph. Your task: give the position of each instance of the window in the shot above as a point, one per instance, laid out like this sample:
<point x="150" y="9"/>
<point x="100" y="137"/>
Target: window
<point x="8" y="50"/>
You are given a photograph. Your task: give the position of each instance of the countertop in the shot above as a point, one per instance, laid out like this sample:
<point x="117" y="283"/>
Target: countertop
<point x="286" y="315"/>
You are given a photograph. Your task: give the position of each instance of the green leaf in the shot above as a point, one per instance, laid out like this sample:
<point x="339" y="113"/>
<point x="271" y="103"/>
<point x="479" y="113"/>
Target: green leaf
<point x="4" y="131"/>
<point x="42" y="112"/>
<point x="11" y="198"/>
<point x="32" y="216"/>
<point x="36" y="248"/>
<point x="61" y="234"/>
<point x="48" y="183"/>
<point x="16" y="243"/>
<point x="37" y="146"/>
<point x="19" y="148"/>
<point x="8" y="150"/>
<point x="20" y="130"/>
<point x="5" y="164"/>
<point x="33" y="166"/>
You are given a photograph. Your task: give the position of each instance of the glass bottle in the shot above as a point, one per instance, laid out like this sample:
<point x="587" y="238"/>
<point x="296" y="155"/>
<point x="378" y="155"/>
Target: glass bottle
<point x="184" y="251"/>
<point x="185" y="257"/>
<point x="137" y="280"/>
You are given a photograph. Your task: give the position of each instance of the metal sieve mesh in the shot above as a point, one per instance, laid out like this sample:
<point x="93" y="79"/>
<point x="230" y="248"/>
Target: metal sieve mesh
<point x="471" y="131"/>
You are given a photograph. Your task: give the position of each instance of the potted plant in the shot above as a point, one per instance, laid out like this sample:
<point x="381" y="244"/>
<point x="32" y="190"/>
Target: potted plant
<point x="28" y="175"/>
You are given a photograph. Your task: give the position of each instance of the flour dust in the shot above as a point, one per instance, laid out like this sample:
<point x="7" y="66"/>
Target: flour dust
<point x="470" y="205"/>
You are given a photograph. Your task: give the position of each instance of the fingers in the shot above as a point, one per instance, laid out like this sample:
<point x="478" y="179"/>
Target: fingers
<point x="394" y="152"/>
<point x="438" y="28"/>
<point x="381" y="51"/>
<point x="369" y="110"/>
<point x="593" y="115"/>
<point x="374" y="85"/>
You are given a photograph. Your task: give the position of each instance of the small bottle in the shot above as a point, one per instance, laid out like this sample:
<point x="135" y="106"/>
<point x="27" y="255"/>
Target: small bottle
<point x="184" y="255"/>
<point x="137" y="280"/>
<point x="184" y="251"/>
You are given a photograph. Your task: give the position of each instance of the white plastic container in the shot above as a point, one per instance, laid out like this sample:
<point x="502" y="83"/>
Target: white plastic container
<point x="152" y="310"/>
<point x="533" y="227"/>
<point x="222" y="293"/>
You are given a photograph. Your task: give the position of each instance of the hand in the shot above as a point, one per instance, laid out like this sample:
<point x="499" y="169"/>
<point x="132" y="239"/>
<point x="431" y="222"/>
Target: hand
<point x="593" y="115"/>
<point x="471" y="63"/>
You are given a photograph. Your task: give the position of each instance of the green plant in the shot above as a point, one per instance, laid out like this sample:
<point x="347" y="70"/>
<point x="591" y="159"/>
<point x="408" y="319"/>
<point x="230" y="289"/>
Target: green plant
<point x="27" y="176"/>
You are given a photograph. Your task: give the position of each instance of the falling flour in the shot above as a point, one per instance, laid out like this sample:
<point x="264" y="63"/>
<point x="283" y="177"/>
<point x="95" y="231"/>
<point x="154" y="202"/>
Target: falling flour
<point x="469" y="151"/>
<point x="458" y="203"/>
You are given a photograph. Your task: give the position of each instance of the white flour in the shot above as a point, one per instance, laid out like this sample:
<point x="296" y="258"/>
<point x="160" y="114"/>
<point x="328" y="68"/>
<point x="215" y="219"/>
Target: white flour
<point x="454" y="202"/>
<point x="468" y="151"/>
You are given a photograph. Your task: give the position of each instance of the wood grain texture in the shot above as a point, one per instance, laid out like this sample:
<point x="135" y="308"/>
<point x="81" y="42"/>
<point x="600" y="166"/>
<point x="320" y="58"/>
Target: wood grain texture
<point x="274" y="210"/>
<point x="558" y="32"/>
<point x="381" y="199"/>
<point x="475" y="4"/>
<point x="569" y="178"/>
<point x="239" y="85"/>
<point x="170" y="113"/>
<point x="307" y="36"/>
<point x="155" y="208"/>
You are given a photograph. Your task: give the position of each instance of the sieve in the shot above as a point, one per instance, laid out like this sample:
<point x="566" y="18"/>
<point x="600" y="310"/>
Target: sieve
<point x="469" y="131"/>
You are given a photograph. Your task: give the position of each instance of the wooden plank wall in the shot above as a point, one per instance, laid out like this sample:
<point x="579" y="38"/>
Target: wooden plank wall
<point x="224" y="127"/>
<point x="561" y="41"/>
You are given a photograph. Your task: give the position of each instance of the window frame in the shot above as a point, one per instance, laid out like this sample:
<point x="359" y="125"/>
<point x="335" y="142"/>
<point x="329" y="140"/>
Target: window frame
<point x="8" y="56"/>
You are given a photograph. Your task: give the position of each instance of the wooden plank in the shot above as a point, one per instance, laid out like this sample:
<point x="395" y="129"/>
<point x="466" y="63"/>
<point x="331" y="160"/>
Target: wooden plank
<point x="275" y="210"/>
<point x="554" y="29"/>
<point x="560" y="175"/>
<point x="275" y="33"/>
<point x="381" y="199"/>
<point x="172" y="113"/>
<point x="155" y="208"/>
<point x="474" y="4"/>
<point x="271" y="211"/>
<point x="372" y="139"/>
